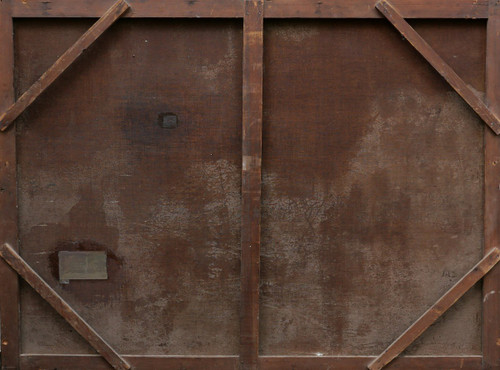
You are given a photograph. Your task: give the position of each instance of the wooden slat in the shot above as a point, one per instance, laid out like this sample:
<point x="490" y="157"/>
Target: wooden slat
<point x="437" y="309"/>
<point x="9" y="289"/>
<point x="139" y="8"/>
<point x="395" y="17"/>
<point x="85" y="362"/>
<point x="87" y="39"/>
<point x="355" y="362"/>
<point x="273" y="9"/>
<point x="251" y="182"/>
<point x="366" y="8"/>
<point x="491" y="284"/>
<point x="63" y="308"/>
<point x="94" y="362"/>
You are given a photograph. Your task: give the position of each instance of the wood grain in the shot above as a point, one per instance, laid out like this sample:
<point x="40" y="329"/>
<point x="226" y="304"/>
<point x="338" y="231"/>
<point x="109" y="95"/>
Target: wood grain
<point x="359" y="362"/>
<point x="139" y="8"/>
<point x="251" y="182"/>
<point x="64" y="309"/>
<point x="273" y="9"/>
<point x="366" y="9"/>
<point x="476" y="103"/>
<point x="491" y="284"/>
<point x="9" y="291"/>
<point x="61" y="64"/>
<point x="437" y="309"/>
<point x="84" y="362"/>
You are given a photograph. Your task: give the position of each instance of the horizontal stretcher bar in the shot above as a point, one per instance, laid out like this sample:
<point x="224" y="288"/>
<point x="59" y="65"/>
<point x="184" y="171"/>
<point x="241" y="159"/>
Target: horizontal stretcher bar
<point x="234" y="8"/>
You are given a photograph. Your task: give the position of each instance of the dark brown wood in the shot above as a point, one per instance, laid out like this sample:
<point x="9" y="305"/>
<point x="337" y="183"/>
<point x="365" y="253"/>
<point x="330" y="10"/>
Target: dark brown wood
<point x="9" y="290"/>
<point x="365" y="9"/>
<point x="251" y="181"/>
<point x="139" y="8"/>
<point x="437" y="309"/>
<point x="355" y="362"/>
<point x="395" y="17"/>
<point x="86" y="362"/>
<point x="84" y="42"/>
<point x="98" y="211"/>
<point x="273" y="9"/>
<point x="63" y="308"/>
<point x="491" y="283"/>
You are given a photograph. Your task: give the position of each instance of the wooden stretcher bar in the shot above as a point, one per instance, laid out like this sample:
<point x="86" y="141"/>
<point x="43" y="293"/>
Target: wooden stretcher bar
<point x="235" y="8"/>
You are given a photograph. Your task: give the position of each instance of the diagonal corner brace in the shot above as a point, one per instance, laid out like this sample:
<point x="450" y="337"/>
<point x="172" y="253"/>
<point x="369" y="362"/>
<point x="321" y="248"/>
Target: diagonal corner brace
<point x="24" y="270"/>
<point x="470" y="97"/>
<point x="61" y="64"/>
<point x="437" y="310"/>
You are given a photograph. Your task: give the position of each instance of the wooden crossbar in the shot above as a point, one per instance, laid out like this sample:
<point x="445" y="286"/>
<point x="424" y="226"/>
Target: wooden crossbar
<point x="309" y="9"/>
<point x="61" y="64"/>
<point x="251" y="182"/>
<point x="470" y="97"/>
<point x="491" y="283"/>
<point x="437" y="309"/>
<point x="62" y="307"/>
